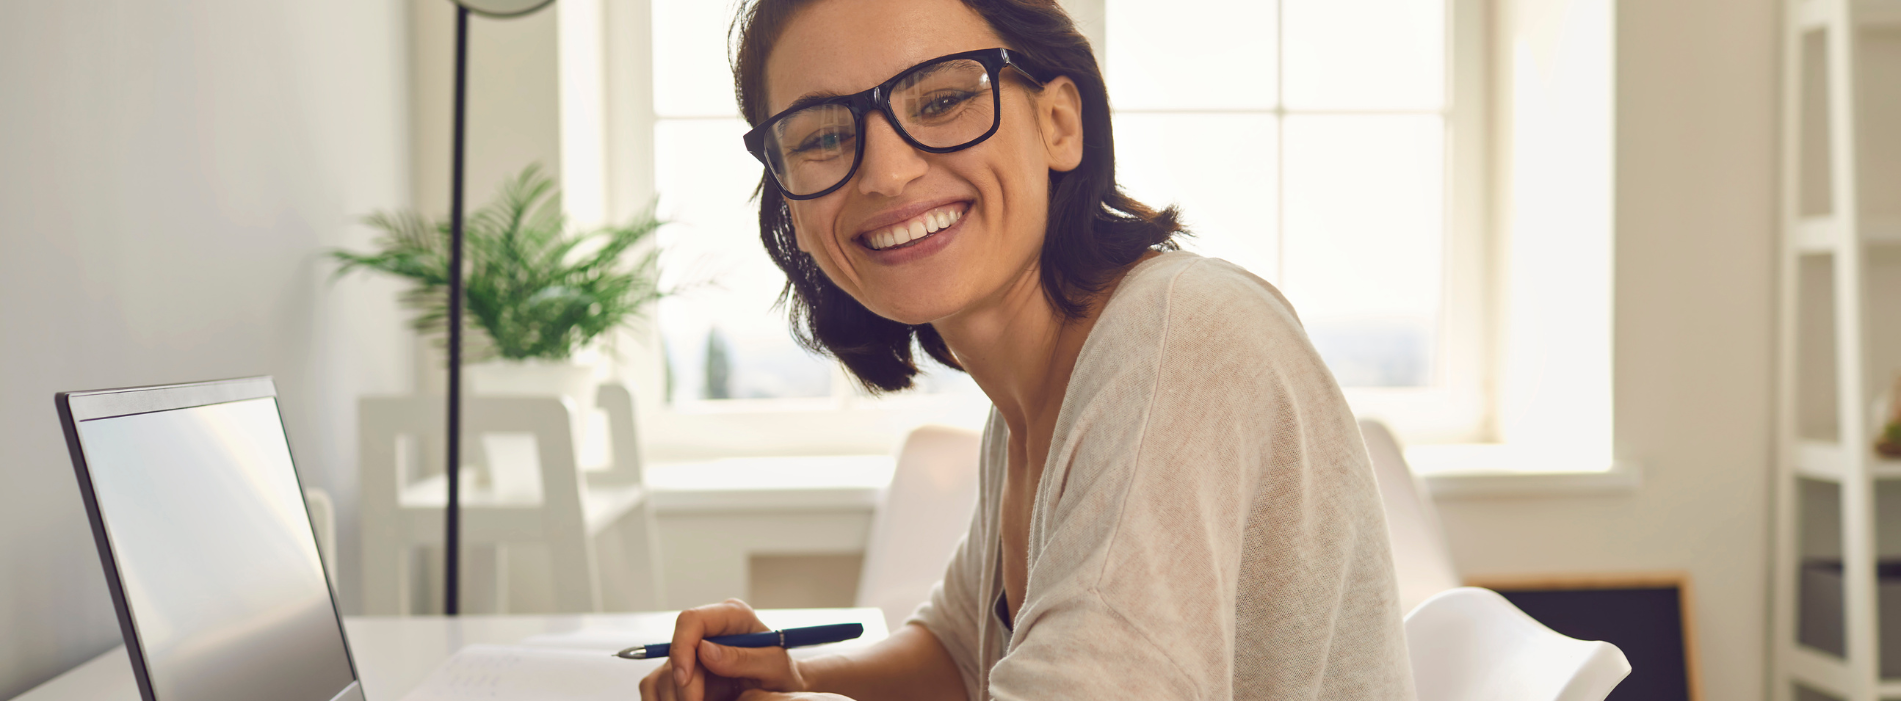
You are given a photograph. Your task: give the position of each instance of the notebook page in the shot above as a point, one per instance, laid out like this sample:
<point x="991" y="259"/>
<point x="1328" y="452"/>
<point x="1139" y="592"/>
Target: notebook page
<point x="511" y="673"/>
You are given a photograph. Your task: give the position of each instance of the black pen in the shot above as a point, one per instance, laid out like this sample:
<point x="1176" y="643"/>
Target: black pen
<point x="790" y="637"/>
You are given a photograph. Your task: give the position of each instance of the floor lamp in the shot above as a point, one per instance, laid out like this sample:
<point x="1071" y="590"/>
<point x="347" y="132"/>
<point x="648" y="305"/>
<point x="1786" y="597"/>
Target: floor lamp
<point x="452" y="536"/>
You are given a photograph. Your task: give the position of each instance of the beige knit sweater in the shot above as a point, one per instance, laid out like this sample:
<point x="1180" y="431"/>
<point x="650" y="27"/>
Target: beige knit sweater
<point x="1207" y="526"/>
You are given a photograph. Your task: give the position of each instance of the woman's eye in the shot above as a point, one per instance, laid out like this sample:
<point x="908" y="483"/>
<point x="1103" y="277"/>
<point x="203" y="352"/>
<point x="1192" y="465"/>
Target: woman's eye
<point x="822" y="143"/>
<point x="942" y="103"/>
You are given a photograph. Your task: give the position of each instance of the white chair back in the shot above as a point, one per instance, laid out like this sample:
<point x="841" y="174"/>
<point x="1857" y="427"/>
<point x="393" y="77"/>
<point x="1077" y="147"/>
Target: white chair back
<point x="618" y="402"/>
<point x="323" y="523"/>
<point x="1470" y="644"/>
<point x="1421" y="561"/>
<point x="397" y="517"/>
<point x="926" y="512"/>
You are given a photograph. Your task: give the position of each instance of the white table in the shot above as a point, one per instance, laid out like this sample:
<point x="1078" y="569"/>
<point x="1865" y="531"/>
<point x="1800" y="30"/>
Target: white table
<point x="394" y="654"/>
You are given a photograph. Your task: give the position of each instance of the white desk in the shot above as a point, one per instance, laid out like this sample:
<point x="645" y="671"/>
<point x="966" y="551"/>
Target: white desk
<point x="393" y="655"/>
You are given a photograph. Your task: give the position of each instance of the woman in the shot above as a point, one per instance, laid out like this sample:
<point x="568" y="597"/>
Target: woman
<point x="1174" y="500"/>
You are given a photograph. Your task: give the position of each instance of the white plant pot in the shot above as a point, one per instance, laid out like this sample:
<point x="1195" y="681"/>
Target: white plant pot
<point x="540" y="378"/>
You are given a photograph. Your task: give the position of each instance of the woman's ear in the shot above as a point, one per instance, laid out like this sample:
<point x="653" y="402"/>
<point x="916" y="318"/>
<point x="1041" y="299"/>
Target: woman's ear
<point x="1059" y="114"/>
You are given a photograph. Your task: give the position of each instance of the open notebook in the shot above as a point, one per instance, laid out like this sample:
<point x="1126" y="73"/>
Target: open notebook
<point x="504" y="672"/>
<point x="580" y="666"/>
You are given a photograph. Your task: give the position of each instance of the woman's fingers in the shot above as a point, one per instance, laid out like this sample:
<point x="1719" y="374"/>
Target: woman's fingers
<point x="725" y="618"/>
<point x="770" y="666"/>
<point x="657" y="685"/>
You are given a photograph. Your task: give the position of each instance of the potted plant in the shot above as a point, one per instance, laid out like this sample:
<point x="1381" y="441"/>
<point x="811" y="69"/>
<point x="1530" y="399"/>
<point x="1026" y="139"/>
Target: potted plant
<point x="537" y="293"/>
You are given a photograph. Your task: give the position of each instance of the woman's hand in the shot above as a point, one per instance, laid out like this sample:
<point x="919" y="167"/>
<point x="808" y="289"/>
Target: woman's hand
<point x="697" y="670"/>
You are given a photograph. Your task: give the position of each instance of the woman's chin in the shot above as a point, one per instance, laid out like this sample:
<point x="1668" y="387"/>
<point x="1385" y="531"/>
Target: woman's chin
<point x="913" y="317"/>
<point x="913" y="310"/>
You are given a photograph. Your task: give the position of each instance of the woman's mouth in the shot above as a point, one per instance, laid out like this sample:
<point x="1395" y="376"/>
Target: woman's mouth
<point x="918" y="228"/>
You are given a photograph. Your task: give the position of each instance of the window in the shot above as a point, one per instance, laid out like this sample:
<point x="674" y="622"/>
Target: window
<point x="1333" y="147"/>
<point x="723" y="340"/>
<point x="1317" y="143"/>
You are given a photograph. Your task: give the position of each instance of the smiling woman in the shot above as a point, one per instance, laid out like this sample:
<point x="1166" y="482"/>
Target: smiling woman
<point x="1097" y="230"/>
<point x="1174" y="499"/>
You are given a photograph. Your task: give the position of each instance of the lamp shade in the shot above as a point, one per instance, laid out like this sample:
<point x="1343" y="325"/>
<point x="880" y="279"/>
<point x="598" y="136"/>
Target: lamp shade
<point x="503" y="8"/>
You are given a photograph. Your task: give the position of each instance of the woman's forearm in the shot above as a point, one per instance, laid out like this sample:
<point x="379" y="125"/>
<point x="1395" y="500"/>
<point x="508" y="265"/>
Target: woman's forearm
<point x="909" y="664"/>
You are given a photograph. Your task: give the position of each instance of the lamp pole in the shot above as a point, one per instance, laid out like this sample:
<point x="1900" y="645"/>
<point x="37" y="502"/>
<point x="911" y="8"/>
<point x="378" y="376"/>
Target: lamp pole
<point x="452" y="513"/>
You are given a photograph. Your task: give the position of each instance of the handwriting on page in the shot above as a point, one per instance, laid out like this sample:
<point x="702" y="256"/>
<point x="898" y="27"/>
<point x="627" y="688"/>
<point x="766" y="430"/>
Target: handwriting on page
<point x="505" y="673"/>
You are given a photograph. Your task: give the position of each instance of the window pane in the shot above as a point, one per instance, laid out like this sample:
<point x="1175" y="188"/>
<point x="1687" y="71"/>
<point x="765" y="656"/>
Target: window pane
<point x="1218" y="167"/>
<point x="1365" y="222"/>
<point x="1364" y="54"/>
<point x="690" y="75"/>
<point x="723" y="338"/>
<point x="1190" y="54"/>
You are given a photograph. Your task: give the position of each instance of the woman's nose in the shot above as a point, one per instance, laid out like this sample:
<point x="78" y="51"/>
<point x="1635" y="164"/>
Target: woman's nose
<point x="889" y="163"/>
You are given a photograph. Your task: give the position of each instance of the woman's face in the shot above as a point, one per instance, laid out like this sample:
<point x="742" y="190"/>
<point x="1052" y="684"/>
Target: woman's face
<point x="995" y="195"/>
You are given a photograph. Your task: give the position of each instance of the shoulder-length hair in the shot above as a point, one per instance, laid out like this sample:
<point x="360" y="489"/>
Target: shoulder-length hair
<point x="1094" y="229"/>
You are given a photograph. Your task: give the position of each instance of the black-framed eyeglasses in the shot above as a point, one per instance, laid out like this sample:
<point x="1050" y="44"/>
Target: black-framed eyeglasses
<point x="946" y="104"/>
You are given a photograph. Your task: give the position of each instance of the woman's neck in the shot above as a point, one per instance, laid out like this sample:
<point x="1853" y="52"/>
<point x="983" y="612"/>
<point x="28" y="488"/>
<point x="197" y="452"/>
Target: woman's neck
<point x="1020" y="350"/>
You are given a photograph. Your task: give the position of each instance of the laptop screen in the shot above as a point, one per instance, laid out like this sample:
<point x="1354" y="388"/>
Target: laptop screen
<point x="215" y="554"/>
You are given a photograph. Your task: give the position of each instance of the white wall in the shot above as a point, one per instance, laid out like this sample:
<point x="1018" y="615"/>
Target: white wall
<point x="171" y="173"/>
<point x="1696" y="94"/>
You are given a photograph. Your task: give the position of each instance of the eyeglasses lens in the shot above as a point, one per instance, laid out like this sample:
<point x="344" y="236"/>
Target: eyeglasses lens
<point x="943" y="105"/>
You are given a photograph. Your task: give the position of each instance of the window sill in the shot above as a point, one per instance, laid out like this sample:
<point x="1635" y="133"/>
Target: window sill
<point x="1501" y="470"/>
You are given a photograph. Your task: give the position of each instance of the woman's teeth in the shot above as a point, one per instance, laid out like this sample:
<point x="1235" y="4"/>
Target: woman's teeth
<point x="929" y="223"/>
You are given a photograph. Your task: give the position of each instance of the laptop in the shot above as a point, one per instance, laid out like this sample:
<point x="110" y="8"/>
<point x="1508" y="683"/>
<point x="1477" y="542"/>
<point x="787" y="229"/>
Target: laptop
<point x="207" y="546"/>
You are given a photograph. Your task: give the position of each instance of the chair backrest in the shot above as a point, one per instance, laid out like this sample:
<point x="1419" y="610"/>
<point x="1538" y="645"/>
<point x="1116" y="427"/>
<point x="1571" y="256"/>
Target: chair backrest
<point x="1421" y="561"/>
<point x="323" y="521"/>
<point x="1470" y="644"/>
<point x="392" y="524"/>
<point x="615" y="399"/>
<point x="926" y="511"/>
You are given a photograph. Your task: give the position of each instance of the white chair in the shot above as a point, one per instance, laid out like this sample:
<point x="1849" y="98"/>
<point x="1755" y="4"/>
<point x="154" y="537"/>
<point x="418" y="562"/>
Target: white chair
<point x="1421" y="561"/>
<point x="626" y="469"/>
<point x="925" y="512"/>
<point x="323" y="523"/>
<point x="550" y="504"/>
<point x="1470" y="644"/>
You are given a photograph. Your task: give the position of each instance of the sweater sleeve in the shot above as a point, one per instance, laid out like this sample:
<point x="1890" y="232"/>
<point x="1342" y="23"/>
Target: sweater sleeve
<point x="955" y="609"/>
<point x="1212" y="519"/>
<point x="951" y="615"/>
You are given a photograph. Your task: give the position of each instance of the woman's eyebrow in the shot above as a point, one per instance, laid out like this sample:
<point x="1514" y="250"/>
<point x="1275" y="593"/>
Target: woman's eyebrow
<point x="929" y="70"/>
<point x="809" y="99"/>
<point x="818" y="96"/>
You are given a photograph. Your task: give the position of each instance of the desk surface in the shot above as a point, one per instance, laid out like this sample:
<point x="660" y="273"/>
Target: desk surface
<point x="830" y="482"/>
<point x="394" y="654"/>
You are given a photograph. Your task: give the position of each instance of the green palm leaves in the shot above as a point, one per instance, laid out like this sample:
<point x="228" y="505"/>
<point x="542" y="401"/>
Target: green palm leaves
<point x="534" y="289"/>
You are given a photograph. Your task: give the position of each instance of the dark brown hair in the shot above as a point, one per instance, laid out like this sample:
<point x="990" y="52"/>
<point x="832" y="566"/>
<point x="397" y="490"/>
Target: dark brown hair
<point x="1094" y="229"/>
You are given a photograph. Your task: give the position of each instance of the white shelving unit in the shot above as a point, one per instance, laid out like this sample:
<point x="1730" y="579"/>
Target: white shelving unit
<point x="1838" y="506"/>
